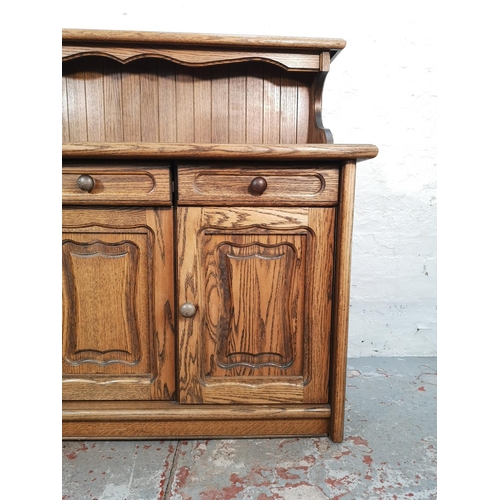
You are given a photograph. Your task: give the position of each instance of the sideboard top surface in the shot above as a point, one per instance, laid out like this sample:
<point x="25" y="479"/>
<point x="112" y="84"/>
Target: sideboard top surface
<point x="197" y="151"/>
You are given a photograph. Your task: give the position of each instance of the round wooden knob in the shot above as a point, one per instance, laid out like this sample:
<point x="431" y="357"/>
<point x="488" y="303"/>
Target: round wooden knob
<point x="85" y="182"/>
<point x="258" y="185"/>
<point x="188" y="310"/>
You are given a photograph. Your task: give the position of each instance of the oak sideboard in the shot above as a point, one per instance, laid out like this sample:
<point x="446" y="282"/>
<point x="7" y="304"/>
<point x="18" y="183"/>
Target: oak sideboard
<point x="207" y="224"/>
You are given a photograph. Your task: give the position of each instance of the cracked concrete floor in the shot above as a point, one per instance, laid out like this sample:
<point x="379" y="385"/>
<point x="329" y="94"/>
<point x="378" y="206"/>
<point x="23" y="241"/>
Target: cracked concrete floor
<point x="389" y="452"/>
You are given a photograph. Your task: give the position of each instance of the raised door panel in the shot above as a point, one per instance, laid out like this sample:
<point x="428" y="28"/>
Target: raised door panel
<point x="261" y="283"/>
<point x="118" y="340"/>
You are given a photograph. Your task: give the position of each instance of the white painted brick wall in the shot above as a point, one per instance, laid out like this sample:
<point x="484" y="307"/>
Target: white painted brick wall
<point x="381" y="90"/>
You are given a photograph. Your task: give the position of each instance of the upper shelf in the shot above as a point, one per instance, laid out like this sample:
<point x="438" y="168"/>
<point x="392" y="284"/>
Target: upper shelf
<point x="150" y="87"/>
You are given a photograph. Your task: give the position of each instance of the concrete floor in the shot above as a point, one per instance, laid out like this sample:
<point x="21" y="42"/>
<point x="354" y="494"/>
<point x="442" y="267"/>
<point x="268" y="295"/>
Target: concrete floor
<point x="389" y="452"/>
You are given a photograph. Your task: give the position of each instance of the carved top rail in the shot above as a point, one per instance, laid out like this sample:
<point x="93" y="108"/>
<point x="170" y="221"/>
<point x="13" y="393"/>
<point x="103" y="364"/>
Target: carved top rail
<point x="298" y="54"/>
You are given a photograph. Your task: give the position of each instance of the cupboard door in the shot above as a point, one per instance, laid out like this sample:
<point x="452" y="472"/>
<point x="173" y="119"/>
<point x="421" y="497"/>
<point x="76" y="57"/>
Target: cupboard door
<point x="118" y="331"/>
<point x="260" y="283"/>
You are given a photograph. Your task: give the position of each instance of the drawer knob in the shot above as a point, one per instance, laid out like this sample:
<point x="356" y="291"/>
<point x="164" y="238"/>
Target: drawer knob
<point x="85" y="183"/>
<point x="188" y="310"/>
<point x="258" y="185"/>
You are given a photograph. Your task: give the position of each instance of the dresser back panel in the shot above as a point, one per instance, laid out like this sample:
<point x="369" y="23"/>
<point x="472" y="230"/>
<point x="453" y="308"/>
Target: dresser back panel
<point x="153" y="100"/>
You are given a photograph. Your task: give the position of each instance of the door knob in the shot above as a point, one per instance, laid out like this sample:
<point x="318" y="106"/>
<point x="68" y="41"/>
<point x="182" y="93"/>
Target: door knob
<point x="258" y="185"/>
<point x="188" y="310"/>
<point x="85" y="182"/>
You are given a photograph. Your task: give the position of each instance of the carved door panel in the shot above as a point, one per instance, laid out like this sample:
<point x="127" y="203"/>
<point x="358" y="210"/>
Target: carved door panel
<point x="260" y="280"/>
<point x="118" y="337"/>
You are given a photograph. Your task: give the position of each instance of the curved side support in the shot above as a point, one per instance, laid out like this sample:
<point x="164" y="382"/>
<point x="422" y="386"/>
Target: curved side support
<point x="318" y="133"/>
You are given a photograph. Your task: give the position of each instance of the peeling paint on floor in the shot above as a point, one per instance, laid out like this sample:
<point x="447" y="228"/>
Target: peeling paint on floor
<point x="389" y="452"/>
<point x="132" y="470"/>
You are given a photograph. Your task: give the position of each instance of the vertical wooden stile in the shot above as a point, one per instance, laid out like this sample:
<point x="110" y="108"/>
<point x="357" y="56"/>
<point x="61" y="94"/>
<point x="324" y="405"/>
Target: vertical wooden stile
<point x="77" y="106"/>
<point x="131" y="88"/>
<point x="342" y="298"/>
<point x="149" y="102"/>
<point x="202" y="105"/>
<point x="322" y="222"/>
<point x="168" y="107"/>
<point x="163" y="331"/>
<point x="94" y="92"/>
<point x="288" y="119"/>
<point x="220" y="99"/>
<point x="272" y="106"/>
<point x="113" y="123"/>
<point x="237" y="105"/>
<point x="185" y="103"/>
<point x="317" y="132"/>
<point x="254" y="104"/>
<point x="303" y="105"/>
<point x="65" y="120"/>
<point x="188" y="348"/>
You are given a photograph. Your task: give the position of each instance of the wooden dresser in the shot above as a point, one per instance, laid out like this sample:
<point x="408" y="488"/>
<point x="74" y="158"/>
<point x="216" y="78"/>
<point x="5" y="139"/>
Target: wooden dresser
<point x="207" y="222"/>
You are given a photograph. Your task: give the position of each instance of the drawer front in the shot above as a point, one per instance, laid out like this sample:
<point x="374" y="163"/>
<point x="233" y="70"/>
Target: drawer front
<point x="115" y="185"/>
<point x="291" y="185"/>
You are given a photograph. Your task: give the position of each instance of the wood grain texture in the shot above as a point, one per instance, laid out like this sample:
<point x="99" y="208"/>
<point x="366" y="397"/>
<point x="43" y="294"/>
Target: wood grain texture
<point x="253" y="339"/>
<point x="106" y="388"/>
<point x="65" y="117"/>
<point x="132" y="105"/>
<point x="95" y="97"/>
<point x="202" y="96"/>
<point x="167" y="107"/>
<point x="106" y="316"/>
<point x="155" y="101"/>
<point x="260" y="391"/>
<point x="215" y="429"/>
<point x="255" y="104"/>
<point x="113" y="103"/>
<point x="168" y="410"/>
<point x="220" y="151"/>
<point x="253" y="328"/>
<point x="342" y="299"/>
<point x="288" y="115"/>
<point x="261" y="244"/>
<point x="319" y="133"/>
<point x="225" y="185"/>
<point x="150" y="105"/>
<point x="217" y="40"/>
<point x="197" y="57"/>
<point x="189" y="343"/>
<point x="75" y="106"/>
<point x="220" y="100"/>
<point x="271" y="109"/>
<point x="237" y="104"/>
<point x="116" y="184"/>
<point x="155" y="420"/>
<point x="184" y="89"/>
<point x="118" y="316"/>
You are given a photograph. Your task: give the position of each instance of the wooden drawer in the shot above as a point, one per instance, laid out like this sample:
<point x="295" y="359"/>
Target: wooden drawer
<point x="115" y="185"/>
<point x="256" y="185"/>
